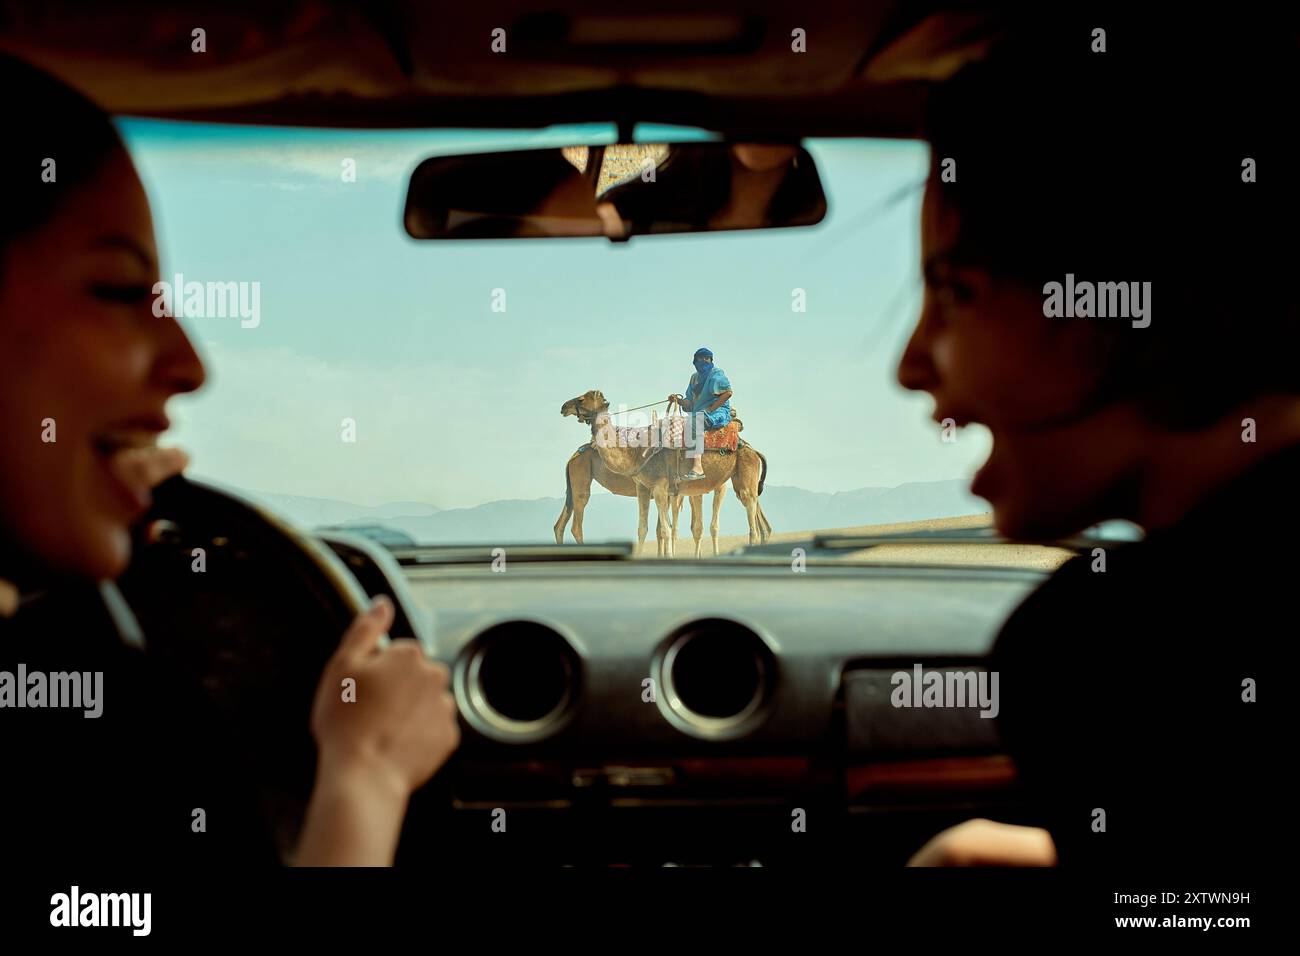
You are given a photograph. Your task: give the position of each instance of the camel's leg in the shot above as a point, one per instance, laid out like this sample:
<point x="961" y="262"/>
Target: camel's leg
<point x="577" y="476"/>
<point x="765" y="529"/>
<point x="744" y="479"/>
<point x="677" y="510"/>
<point x="567" y="510"/>
<point x="563" y="520"/>
<point x="749" y="499"/>
<point x="580" y="499"/>
<point x="663" y="533"/>
<point x="697" y="520"/>
<point x="643" y="517"/>
<point x="718" y="494"/>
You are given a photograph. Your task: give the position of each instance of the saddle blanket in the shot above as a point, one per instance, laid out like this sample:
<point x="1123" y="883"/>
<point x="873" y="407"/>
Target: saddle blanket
<point x="670" y="432"/>
<point x="725" y="438"/>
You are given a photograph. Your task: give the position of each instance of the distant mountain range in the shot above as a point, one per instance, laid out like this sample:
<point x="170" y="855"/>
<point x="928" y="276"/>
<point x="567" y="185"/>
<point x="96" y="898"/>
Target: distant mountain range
<point x="313" y="512"/>
<point x="611" y="518"/>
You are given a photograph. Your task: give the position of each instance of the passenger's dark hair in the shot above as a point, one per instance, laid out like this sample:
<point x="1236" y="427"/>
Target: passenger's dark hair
<point x="1128" y="166"/>
<point x="46" y="119"/>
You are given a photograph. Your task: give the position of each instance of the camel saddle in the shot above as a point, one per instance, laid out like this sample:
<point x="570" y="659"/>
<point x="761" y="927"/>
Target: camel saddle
<point x="724" y="439"/>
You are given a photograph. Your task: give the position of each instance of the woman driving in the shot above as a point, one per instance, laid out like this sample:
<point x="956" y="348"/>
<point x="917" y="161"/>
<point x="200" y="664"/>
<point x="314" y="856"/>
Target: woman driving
<point x="86" y="370"/>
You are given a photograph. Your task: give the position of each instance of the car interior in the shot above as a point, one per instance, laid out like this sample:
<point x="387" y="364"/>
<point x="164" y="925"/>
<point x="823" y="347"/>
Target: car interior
<point x="619" y="708"/>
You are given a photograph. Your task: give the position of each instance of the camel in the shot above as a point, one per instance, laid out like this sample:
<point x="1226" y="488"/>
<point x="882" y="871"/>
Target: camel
<point x="649" y="472"/>
<point x="697" y="521"/>
<point x="584" y="467"/>
<point x="754" y="459"/>
<point x="656" y="475"/>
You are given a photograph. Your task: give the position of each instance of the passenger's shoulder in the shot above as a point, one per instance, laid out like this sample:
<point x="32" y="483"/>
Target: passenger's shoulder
<point x="1077" y="578"/>
<point x="1084" y="598"/>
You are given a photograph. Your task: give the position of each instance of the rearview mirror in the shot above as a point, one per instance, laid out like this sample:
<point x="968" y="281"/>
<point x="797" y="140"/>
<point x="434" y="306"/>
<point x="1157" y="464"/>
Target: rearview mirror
<point x="617" y="191"/>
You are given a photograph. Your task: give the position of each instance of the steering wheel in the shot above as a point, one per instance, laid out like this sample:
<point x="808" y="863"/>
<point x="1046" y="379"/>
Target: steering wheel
<point x="248" y="610"/>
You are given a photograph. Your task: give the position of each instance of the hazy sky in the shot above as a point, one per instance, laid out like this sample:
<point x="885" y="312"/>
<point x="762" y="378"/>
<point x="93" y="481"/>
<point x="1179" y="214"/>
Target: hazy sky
<point x="456" y="404"/>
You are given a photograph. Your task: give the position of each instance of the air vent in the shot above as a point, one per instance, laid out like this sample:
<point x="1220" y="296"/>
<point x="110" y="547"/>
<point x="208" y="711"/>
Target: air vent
<point x="715" y="677"/>
<point x="519" y="681"/>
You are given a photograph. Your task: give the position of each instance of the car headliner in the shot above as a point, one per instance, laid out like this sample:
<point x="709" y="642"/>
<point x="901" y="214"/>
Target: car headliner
<point x="408" y="63"/>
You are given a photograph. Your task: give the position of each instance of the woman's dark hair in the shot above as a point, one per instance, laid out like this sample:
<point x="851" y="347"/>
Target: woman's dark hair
<point x="1128" y="166"/>
<point x="47" y="120"/>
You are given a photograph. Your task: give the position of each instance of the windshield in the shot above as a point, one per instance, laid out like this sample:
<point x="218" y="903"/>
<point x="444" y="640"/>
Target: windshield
<point x="370" y="380"/>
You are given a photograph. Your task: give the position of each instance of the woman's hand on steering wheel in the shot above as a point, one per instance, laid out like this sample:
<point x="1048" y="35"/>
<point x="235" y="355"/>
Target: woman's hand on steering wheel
<point x="384" y="720"/>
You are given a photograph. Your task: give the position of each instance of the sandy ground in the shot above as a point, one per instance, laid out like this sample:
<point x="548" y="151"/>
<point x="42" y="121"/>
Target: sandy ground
<point x="1031" y="556"/>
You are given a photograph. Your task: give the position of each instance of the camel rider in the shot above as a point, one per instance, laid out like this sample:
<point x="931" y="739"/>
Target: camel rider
<point x="708" y="396"/>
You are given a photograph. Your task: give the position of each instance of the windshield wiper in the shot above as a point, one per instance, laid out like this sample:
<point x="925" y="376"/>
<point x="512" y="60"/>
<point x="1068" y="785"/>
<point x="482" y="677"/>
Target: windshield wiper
<point x="953" y="536"/>
<point x="485" y="554"/>
<point x="942" y="537"/>
<point x="380" y="533"/>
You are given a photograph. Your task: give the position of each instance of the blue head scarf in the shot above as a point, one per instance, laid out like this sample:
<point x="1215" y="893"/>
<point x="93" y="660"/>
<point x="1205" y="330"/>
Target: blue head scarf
<point x="702" y="368"/>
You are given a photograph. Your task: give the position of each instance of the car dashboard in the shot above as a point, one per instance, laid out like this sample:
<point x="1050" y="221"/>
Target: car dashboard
<point x="699" y="712"/>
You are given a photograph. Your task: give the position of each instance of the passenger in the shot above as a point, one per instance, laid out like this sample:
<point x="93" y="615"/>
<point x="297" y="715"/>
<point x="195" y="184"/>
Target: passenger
<point x="1136" y="682"/>
<point x="85" y="372"/>
<point x="708" y="397"/>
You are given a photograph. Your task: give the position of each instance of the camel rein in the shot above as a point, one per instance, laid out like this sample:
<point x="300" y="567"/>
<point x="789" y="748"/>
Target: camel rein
<point x="650" y="453"/>
<point x="637" y="408"/>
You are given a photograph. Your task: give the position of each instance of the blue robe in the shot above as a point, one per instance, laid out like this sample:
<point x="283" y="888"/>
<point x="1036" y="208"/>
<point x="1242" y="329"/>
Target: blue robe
<point x="700" y="395"/>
